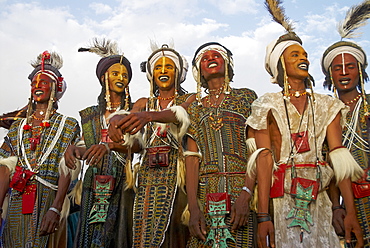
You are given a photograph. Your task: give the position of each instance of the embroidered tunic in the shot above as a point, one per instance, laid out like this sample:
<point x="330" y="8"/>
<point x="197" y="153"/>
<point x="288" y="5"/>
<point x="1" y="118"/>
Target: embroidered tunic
<point x="315" y="121"/>
<point x="224" y="156"/>
<point x="22" y="230"/>
<point x="360" y="153"/>
<point x="115" y="231"/>
<point x="159" y="203"/>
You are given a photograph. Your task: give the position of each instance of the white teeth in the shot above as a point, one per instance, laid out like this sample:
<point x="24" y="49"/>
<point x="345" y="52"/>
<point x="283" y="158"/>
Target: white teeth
<point x="303" y="66"/>
<point x="120" y="85"/>
<point x="212" y="65"/>
<point x="38" y="92"/>
<point x="163" y="78"/>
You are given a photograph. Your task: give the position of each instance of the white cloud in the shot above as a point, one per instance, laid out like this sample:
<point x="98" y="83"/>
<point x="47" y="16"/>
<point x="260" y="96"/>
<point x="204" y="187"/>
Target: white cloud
<point x="100" y="8"/>
<point x="231" y="7"/>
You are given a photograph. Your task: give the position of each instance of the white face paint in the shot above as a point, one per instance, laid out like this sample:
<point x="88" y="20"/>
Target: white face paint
<point x="344" y="68"/>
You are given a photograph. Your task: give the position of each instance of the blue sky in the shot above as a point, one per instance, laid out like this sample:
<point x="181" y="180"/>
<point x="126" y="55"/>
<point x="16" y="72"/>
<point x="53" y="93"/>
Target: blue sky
<point x="27" y="28"/>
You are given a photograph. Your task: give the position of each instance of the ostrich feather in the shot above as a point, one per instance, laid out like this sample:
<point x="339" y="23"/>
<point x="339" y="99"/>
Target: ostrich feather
<point x="356" y="17"/>
<point x="55" y="60"/>
<point x="102" y="47"/>
<point x="277" y="13"/>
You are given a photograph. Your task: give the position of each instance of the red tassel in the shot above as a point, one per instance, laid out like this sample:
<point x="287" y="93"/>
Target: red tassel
<point x="27" y="127"/>
<point x="45" y="124"/>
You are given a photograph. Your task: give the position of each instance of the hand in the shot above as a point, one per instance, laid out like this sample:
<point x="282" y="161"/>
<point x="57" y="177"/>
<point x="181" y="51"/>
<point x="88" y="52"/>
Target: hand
<point x="197" y="224"/>
<point x="49" y="223"/>
<point x="72" y="154"/>
<point x="351" y="225"/>
<point x="338" y="221"/>
<point x="95" y="154"/>
<point x="240" y="211"/>
<point x="114" y="130"/>
<point x="266" y="230"/>
<point x="134" y="122"/>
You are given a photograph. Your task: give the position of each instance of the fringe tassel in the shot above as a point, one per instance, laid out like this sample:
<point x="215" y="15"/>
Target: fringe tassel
<point x="253" y="205"/>
<point x="185" y="217"/>
<point x="64" y="170"/>
<point x="65" y="208"/>
<point x="76" y="194"/>
<point x="344" y="165"/>
<point x="130" y="182"/>
<point x="10" y="162"/>
<point x="251" y="145"/>
<point x="183" y="117"/>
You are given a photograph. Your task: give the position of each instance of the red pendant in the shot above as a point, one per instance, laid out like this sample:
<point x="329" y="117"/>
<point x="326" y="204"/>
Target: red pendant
<point x="34" y="142"/>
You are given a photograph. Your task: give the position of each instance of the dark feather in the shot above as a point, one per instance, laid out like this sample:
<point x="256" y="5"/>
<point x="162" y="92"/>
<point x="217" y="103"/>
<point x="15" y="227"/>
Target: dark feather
<point x="356" y="17"/>
<point x="277" y="13"/>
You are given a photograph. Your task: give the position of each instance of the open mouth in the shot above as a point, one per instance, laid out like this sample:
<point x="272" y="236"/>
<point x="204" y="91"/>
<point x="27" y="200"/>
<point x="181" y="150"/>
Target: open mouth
<point x="303" y="66"/>
<point x="212" y="64"/>
<point x="164" y="78"/>
<point x="344" y="81"/>
<point x="38" y="92"/>
<point x="119" y="85"/>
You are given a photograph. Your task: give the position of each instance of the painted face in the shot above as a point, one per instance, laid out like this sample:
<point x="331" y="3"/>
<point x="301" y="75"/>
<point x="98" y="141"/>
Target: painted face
<point x="164" y="73"/>
<point x="212" y="64"/>
<point x="296" y="62"/>
<point x="41" y="87"/>
<point x="345" y="72"/>
<point x="117" y="78"/>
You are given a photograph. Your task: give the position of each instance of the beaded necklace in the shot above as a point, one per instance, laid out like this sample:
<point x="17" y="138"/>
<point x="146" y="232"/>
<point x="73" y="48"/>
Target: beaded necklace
<point x="353" y="100"/>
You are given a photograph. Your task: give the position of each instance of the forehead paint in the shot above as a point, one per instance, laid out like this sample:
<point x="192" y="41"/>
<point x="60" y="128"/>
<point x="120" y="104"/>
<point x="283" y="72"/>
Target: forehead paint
<point x="343" y="65"/>
<point x="163" y="61"/>
<point x="38" y="80"/>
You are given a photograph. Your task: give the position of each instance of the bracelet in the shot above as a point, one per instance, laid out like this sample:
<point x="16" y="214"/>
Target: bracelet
<point x="337" y="207"/>
<point x="55" y="210"/>
<point x="264" y="219"/>
<point x="247" y="190"/>
<point x="106" y="146"/>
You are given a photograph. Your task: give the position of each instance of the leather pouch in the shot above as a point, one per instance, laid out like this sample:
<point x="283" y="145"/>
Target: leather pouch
<point x="305" y="183"/>
<point x="218" y="202"/>
<point x="158" y="156"/>
<point x="301" y="141"/>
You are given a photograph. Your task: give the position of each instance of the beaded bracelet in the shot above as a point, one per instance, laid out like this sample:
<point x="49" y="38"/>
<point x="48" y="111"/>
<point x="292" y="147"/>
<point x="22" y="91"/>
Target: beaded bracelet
<point x="337" y="207"/>
<point x="263" y="217"/>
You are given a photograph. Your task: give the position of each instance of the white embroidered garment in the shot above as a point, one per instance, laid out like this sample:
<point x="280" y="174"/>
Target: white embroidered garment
<point x="314" y="120"/>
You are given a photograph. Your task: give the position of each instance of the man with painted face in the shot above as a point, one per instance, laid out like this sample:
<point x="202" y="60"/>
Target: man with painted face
<point x="344" y="64"/>
<point x="290" y="127"/>
<point x="160" y="197"/>
<point x="217" y="188"/>
<point x="31" y="163"/>
<point x="106" y="206"/>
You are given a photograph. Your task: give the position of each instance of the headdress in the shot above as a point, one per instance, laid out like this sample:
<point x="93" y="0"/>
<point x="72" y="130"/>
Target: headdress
<point x="356" y="17"/>
<point x="110" y="54"/>
<point x="276" y="48"/>
<point x="48" y="64"/>
<point x="181" y="69"/>
<point x="229" y="68"/>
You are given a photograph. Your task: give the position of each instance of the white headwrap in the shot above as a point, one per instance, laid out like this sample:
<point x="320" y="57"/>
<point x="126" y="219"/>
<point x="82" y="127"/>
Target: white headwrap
<point x="328" y="59"/>
<point x="212" y="47"/>
<point x="273" y="53"/>
<point x="169" y="54"/>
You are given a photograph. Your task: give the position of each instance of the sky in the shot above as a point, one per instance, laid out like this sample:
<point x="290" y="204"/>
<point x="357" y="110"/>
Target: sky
<point x="27" y="28"/>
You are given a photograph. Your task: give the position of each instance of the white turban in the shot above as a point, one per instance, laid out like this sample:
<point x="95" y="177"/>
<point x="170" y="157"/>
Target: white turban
<point x="329" y="57"/>
<point x="273" y="53"/>
<point x="180" y="63"/>
<point x="212" y="47"/>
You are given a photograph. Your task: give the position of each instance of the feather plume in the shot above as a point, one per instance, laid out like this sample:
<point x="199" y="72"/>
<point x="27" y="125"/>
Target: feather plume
<point x="55" y="60"/>
<point x="277" y="13"/>
<point x="102" y="47"/>
<point x="356" y="17"/>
